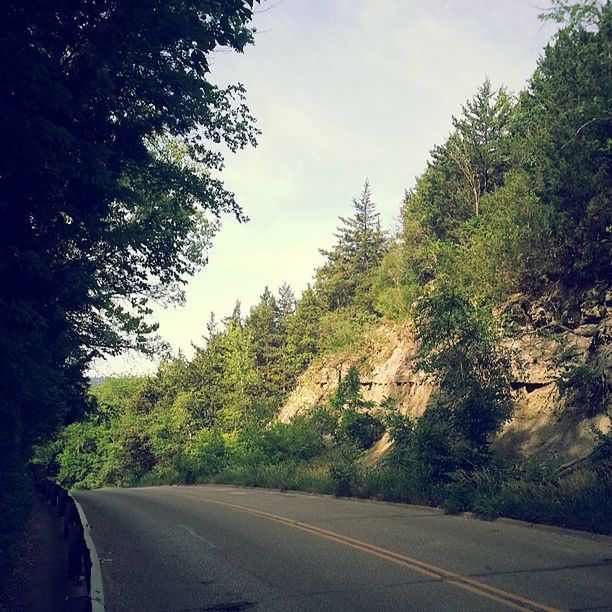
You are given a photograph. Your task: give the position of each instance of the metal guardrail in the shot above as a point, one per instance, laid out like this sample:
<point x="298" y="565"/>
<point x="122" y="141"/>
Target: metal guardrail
<point x="85" y="578"/>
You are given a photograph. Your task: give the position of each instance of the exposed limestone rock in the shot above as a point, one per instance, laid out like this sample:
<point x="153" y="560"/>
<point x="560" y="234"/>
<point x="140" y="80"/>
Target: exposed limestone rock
<point x="383" y="374"/>
<point x="547" y="334"/>
<point x="588" y="330"/>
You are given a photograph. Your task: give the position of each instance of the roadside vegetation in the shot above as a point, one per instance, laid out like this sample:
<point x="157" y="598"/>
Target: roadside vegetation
<point x="436" y="460"/>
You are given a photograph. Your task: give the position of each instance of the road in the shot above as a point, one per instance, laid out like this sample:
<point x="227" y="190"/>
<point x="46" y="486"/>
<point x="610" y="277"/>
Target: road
<point x="227" y="548"/>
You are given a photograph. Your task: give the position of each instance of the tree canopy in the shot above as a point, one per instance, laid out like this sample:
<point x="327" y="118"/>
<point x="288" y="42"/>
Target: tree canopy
<point x="112" y="135"/>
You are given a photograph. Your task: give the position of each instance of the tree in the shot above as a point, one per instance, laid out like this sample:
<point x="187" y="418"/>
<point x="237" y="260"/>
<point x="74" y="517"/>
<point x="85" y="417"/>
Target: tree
<point x="575" y="14"/>
<point x="236" y="316"/>
<point x="562" y="129"/>
<point x="223" y="380"/>
<point x="107" y="117"/>
<point x="471" y="163"/>
<point x="514" y="248"/>
<point x="394" y="284"/>
<point x="460" y="352"/>
<point x="286" y="301"/>
<point x="269" y="340"/>
<point x="347" y="395"/>
<point x="346" y="276"/>
<point x="113" y="394"/>
<point x="479" y="146"/>
<point x="303" y="331"/>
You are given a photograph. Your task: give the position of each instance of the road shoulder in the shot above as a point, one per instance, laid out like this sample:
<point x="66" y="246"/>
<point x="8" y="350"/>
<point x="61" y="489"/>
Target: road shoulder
<point x="38" y="580"/>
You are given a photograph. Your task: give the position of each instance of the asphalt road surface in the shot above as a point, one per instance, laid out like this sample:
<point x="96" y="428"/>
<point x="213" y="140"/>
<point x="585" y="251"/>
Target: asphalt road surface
<point x="227" y="548"/>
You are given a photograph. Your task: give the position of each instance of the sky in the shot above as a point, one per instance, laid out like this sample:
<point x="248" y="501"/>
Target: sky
<point x="343" y="91"/>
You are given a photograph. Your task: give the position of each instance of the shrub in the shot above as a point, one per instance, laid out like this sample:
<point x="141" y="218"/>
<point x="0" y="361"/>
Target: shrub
<point x="81" y="458"/>
<point x="204" y="455"/>
<point x="296" y="441"/>
<point x="460" y="351"/>
<point x="360" y="428"/>
<point x="441" y="448"/>
<point x="401" y="430"/>
<point x="586" y="389"/>
<point x="130" y="453"/>
<point x="324" y="421"/>
<point x="343" y="474"/>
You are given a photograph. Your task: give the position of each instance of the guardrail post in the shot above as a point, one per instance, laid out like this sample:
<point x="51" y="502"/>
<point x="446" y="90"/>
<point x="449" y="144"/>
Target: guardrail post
<point x="61" y="502"/>
<point x="70" y="515"/>
<point x="75" y="550"/>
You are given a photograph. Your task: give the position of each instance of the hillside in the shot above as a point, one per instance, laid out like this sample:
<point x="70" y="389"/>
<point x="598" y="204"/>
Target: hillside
<point x="549" y="336"/>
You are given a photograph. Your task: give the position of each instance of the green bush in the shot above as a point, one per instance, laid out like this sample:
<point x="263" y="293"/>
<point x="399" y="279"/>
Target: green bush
<point x="344" y="329"/>
<point x="295" y="441"/>
<point x="204" y="455"/>
<point x="460" y="350"/>
<point x="344" y="477"/>
<point x="324" y="421"/>
<point x="130" y="453"/>
<point x="440" y="448"/>
<point x="82" y="451"/>
<point x="360" y="428"/>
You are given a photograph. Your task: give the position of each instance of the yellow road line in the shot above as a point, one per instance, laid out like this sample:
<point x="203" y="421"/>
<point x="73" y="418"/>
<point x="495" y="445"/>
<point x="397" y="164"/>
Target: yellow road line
<point x="491" y="593"/>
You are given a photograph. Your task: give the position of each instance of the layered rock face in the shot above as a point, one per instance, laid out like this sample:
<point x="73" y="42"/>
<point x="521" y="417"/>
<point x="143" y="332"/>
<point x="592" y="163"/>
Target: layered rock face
<point x="549" y="336"/>
<point x="385" y="371"/>
<point x="554" y="337"/>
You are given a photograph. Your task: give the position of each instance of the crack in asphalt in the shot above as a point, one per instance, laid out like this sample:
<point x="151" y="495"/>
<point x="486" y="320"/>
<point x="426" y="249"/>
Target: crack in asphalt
<point x="537" y="570"/>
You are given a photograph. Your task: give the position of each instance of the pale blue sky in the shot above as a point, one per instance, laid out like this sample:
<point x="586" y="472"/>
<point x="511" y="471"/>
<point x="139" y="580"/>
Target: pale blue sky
<point x="343" y="90"/>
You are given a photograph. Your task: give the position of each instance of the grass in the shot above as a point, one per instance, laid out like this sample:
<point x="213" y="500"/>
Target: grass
<point x="581" y="503"/>
<point x="284" y="476"/>
<point x="528" y="492"/>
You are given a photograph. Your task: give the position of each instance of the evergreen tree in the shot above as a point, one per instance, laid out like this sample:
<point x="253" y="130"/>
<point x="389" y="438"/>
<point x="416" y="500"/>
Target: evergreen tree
<point x="479" y="147"/>
<point x="264" y="324"/>
<point x="241" y="379"/>
<point x="211" y="326"/>
<point x="223" y="381"/>
<point x="471" y="163"/>
<point x="562" y="138"/>
<point x="286" y="301"/>
<point x="303" y="331"/>
<point x="236" y="316"/>
<point x="286" y="309"/>
<point x="208" y="381"/>
<point x="346" y="276"/>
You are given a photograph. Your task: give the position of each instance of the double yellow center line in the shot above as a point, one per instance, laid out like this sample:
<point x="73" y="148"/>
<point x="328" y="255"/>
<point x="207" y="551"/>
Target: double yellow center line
<point x="510" y="600"/>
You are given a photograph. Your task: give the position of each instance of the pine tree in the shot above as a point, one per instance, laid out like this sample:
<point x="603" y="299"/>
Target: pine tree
<point x="236" y="316"/>
<point x="211" y="326"/>
<point x="303" y="334"/>
<point x="223" y="379"/>
<point x="345" y="278"/>
<point x="479" y="146"/>
<point x="471" y="163"/>
<point x="286" y="301"/>
<point x="264" y="324"/>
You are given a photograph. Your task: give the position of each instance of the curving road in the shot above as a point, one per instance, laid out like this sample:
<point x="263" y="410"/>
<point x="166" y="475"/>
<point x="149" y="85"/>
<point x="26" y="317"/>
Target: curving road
<point x="226" y="548"/>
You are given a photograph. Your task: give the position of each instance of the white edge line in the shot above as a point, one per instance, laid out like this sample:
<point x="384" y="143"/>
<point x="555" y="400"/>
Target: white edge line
<point x="97" y="592"/>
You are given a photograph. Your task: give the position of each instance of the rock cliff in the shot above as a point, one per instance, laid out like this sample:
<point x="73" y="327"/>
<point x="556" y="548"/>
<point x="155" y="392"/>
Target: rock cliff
<point x="553" y="337"/>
